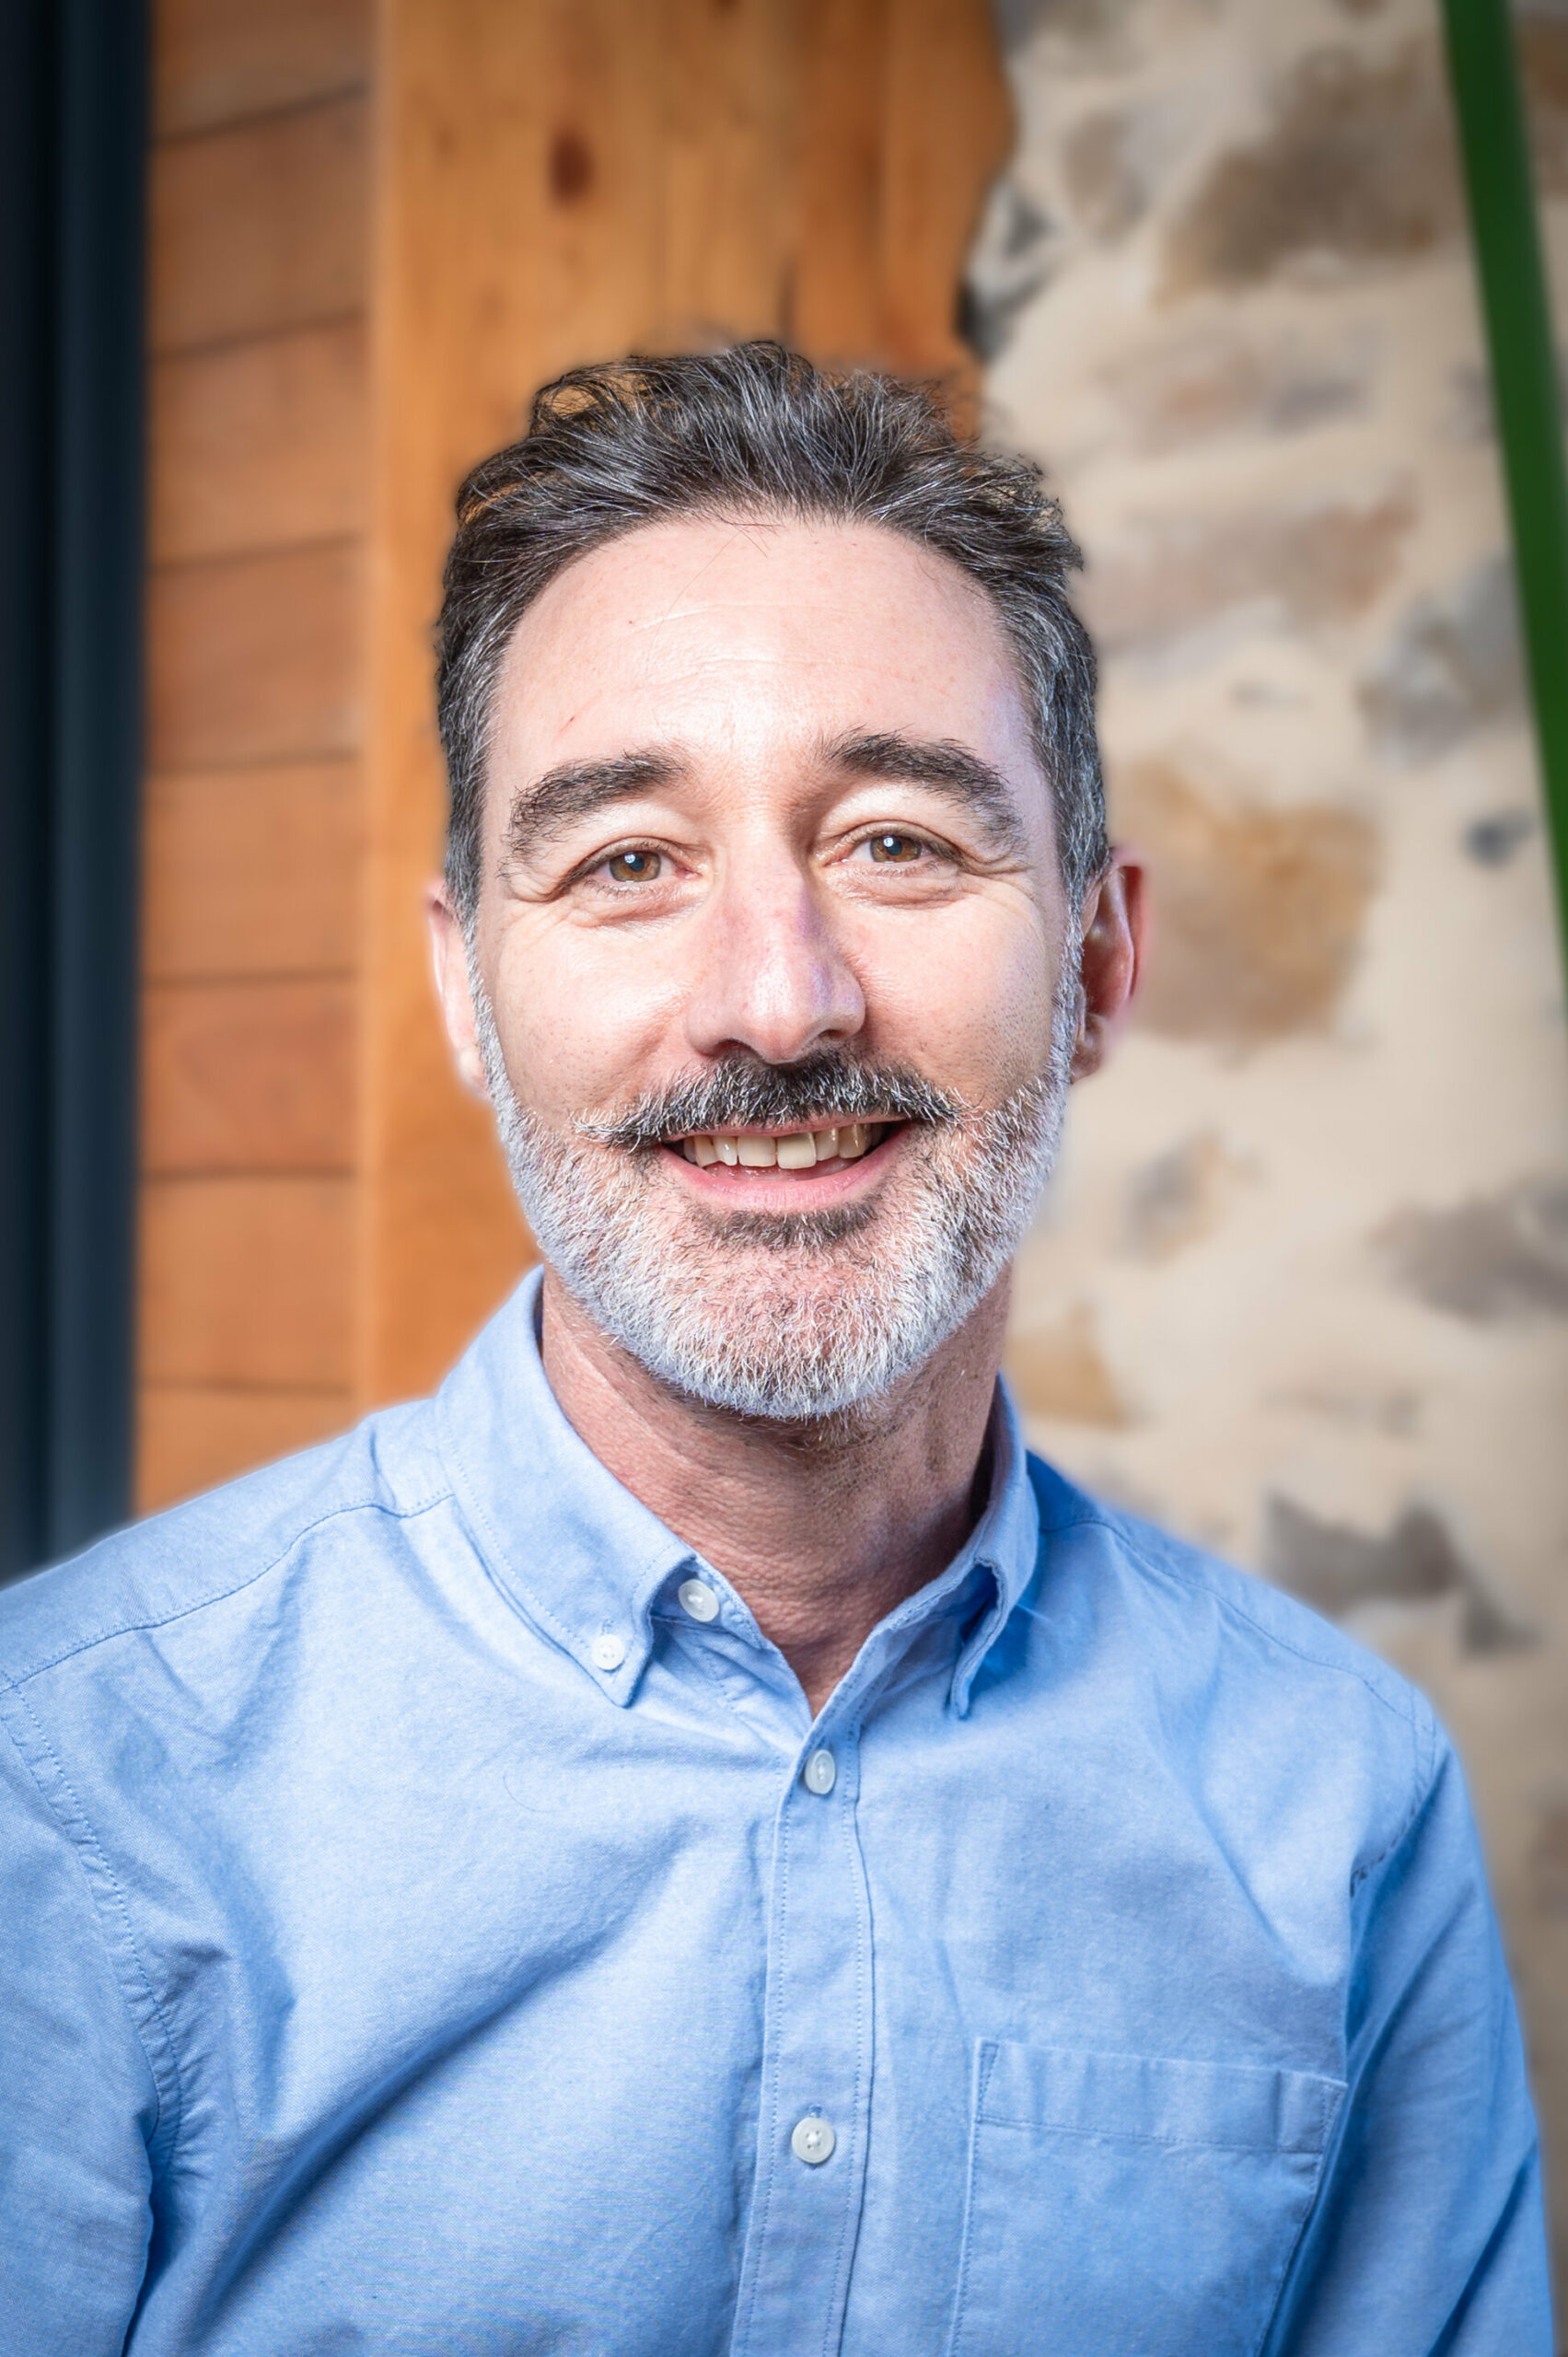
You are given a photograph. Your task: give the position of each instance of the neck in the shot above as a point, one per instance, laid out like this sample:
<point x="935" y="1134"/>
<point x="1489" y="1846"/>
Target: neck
<point x="823" y="1528"/>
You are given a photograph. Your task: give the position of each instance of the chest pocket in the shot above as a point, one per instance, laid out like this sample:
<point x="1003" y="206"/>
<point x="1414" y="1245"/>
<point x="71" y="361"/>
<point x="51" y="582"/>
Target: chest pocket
<point x="1121" y="2202"/>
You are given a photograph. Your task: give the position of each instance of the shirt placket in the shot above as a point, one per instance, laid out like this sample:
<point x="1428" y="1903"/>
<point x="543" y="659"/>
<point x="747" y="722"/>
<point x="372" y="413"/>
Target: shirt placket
<point x="817" y="2060"/>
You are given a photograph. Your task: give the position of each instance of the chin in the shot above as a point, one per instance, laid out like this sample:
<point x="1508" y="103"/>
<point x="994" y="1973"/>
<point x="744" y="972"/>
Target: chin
<point x="795" y="1317"/>
<point x="781" y="1318"/>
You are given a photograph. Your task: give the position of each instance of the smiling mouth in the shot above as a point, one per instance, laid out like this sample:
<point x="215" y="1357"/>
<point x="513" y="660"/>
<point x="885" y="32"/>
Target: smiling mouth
<point x="793" y="1150"/>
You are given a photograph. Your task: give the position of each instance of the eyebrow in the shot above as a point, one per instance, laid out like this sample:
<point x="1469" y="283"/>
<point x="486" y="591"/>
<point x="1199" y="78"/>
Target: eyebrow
<point x="942" y="765"/>
<point x="575" y="790"/>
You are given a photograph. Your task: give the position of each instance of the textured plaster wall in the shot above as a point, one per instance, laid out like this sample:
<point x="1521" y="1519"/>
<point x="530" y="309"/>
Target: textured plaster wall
<point x="1301" y="1290"/>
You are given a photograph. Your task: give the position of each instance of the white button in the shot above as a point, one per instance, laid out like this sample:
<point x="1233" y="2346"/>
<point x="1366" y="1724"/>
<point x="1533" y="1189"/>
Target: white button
<point x="698" y="1598"/>
<point x="607" y="1652"/>
<point x="812" y="2140"/>
<point x="821" y="1775"/>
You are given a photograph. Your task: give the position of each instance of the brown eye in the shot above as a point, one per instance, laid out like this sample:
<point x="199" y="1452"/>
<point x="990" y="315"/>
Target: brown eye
<point x="633" y="866"/>
<point x="900" y="849"/>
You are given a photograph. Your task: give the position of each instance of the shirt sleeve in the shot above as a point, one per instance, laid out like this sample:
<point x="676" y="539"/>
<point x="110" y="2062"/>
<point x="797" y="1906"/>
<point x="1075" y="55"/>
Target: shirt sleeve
<point x="1427" y="2236"/>
<point x="79" y="2102"/>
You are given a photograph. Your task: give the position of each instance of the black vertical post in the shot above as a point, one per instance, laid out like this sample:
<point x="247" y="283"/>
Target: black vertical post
<point x="73" y="147"/>
<point x="99" y="477"/>
<point x="26" y="79"/>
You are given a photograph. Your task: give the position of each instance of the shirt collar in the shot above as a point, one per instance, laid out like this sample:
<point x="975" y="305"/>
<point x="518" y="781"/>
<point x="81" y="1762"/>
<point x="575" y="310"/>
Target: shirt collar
<point x="1005" y="1541"/>
<point x="585" y="1560"/>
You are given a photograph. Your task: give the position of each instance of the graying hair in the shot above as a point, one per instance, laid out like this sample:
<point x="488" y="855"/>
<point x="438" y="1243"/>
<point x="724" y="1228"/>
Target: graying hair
<point x="757" y="431"/>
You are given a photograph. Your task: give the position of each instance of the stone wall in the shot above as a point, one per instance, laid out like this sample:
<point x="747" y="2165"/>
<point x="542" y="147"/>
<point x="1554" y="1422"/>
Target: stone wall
<point x="1301" y="1290"/>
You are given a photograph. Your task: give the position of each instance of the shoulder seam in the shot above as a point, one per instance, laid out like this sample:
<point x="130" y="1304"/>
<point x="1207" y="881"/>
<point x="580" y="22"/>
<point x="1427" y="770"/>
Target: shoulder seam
<point x="1396" y="1708"/>
<point x="18" y="1679"/>
<point x="87" y="1839"/>
<point x="1420" y="1725"/>
<point x="1425" y="1785"/>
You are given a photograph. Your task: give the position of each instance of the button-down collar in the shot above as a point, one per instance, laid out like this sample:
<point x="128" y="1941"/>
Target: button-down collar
<point x="587" y="1562"/>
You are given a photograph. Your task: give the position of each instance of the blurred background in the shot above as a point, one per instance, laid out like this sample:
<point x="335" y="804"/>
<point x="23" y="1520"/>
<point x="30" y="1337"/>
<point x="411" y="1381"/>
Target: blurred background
<point x="1301" y="1290"/>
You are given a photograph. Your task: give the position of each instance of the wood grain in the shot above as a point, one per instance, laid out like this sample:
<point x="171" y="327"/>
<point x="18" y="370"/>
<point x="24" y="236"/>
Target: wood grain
<point x="553" y="182"/>
<point x="675" y="171"/>
<point x="730" y="102"/>
<point x="251" y="871"/>
<point x="837" y="287"/>
<point x="218" y="61"/>
<point x="259" y="445"/>
<point x="255" y="658"/>
<point x="259" y="227"/>
<point x="248" y="1076"/>
<point x="247" y="1281"/>
<point x="948" y="129"/>
<point x="190" y="1436"/>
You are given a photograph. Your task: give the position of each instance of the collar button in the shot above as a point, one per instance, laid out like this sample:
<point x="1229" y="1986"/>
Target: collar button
<point x="698" y="1598"/>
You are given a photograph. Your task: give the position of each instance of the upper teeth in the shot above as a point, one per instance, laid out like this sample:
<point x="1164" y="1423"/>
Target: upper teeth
<point x="798" y="1151"/>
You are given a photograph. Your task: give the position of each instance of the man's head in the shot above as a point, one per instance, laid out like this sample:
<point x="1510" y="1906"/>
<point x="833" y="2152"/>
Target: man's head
<point x="778" y="906"/>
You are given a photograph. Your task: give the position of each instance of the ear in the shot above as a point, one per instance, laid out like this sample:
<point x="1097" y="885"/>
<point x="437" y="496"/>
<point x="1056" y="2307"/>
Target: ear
<point x="448" y="949"/>
<point x="1113" y="919"/>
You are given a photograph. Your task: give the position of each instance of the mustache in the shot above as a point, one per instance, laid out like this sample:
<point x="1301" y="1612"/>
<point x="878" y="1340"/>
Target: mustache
<point x="818" y="1092"/>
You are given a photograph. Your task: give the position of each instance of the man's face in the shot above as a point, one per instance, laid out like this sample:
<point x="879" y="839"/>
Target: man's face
<point x="776" y="973"/>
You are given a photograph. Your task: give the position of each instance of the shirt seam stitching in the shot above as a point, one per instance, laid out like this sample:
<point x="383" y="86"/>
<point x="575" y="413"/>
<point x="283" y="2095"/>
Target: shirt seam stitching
<point x="1419" y="1725"/>
<point x="785" y="1829"/>
<point x="703" y="1655"/>
<point x="849" y="1827"/>
<point x="985" y="2064"/>
<point x="1322" y="2177"/>
<point x="489" y="1545"/>
<point x="1425" y="1784"/>
<point x="1145" y="2136"/>
<point x="89" y="1837"/>
<point x="18" y="1679"/>
<point x="1396" y="1708"/>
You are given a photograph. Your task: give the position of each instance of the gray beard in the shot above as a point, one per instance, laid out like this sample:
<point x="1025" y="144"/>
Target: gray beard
<point x="798" y="1316"/>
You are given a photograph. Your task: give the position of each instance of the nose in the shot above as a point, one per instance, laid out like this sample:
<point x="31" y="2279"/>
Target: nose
<point x="774" y="979"/>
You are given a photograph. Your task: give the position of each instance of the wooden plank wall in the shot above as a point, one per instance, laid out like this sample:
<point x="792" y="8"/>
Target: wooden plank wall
<point x="373" y="238"/>
<point x="561" y="181"/>
<point x="252" y="923"/>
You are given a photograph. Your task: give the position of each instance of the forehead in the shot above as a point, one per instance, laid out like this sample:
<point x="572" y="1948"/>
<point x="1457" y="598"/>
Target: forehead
<point x="732" y="637"/>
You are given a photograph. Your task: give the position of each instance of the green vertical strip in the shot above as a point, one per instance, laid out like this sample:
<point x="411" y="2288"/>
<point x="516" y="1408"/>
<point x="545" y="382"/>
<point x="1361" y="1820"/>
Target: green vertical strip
<point x="1486" y="76"/>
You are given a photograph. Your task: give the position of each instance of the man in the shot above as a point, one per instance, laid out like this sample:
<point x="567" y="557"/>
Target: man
<point x="690" y="1841"/>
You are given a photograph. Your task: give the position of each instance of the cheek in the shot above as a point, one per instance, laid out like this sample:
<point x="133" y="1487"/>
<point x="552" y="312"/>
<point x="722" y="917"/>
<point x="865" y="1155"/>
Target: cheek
<point x="584" y="1019"/>
<point x="967" y="997"/>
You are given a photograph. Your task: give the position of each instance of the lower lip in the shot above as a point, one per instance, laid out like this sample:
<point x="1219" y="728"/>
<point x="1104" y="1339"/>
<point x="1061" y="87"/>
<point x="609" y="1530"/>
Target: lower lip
<point x="775" y="1190"/>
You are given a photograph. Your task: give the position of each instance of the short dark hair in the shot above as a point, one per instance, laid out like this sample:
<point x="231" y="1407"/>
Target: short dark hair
<point x="758" y="430"/>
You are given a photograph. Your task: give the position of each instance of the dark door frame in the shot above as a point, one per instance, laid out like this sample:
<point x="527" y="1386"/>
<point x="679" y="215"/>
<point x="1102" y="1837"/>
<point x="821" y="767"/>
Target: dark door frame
<point x="73" y="162"/>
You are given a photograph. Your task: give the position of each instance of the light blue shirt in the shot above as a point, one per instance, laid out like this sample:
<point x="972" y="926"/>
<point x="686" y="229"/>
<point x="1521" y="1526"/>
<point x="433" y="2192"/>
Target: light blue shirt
<point x="423" y="1933"/>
